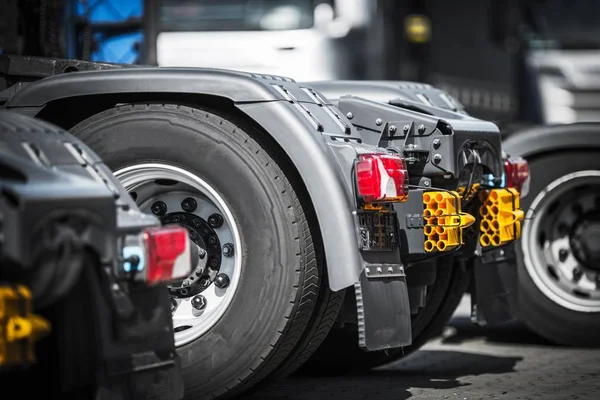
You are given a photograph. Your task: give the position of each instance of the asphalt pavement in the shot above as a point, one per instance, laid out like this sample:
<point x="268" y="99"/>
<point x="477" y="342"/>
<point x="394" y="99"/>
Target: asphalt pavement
<point x="465" y="363"/>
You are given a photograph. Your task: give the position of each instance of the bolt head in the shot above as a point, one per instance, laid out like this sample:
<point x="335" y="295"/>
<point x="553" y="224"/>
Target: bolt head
<point x="159" y="208"/>
<point x="215" y="220"/>
<point x="563" y="254"/>
<point x="204" y="281"/>
<point x="212" y="240"/>
<point x="214" y="262"/>
<point x="392" y="128"/>
<point x="437" y="143"/>
<point x="199" y="302"/>
<point x="228" y="250"/>
<point x="189" y="205"/>
<point x="406" y="128"/>
<point x="421" y="128"/>
<point x="378" y="121"/>
<point x="349" y="115"/>
<point x="222" y="281"/>
<point x="437" y="158"/>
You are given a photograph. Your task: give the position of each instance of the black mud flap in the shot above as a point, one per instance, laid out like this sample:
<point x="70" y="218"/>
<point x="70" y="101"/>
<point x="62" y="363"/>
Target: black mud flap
<point x="383" y="308"/>
<point x="494" y="286"/>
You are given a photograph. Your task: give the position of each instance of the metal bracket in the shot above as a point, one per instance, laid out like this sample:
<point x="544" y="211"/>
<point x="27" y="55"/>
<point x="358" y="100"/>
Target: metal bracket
<point x="380" y="271"/>
<point x="499" y="255"/>
<point x="415" y="221"/>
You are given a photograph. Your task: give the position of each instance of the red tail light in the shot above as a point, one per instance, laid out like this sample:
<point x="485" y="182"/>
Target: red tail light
<point x="382" y="178"/>
<point x="517" y="174"/>
<point x="168" y="255"/>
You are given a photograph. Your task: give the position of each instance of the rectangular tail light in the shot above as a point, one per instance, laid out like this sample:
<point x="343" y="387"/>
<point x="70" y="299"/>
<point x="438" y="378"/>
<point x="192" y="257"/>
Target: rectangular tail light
<point x="167" y="254"/>
<point x="381" y="178"/>
<point x="516" y="170"/>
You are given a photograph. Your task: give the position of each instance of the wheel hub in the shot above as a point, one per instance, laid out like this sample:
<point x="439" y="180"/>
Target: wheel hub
<point x="559" y="241"/>
<point x="584" y="241"/>
<point x="207" y="241"/>
<point x="177" y="196"/>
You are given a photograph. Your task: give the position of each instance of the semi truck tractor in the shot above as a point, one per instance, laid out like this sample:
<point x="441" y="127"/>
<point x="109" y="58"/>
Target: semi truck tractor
<point x="531" y="66"/>
<point x="309" y="211"/>
<point x="84" y="308"/>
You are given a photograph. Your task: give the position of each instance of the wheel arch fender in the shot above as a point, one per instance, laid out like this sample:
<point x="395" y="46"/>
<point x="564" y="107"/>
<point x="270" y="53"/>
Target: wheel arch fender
<point x="323" y="169"/>
<point x="538" y="140"/>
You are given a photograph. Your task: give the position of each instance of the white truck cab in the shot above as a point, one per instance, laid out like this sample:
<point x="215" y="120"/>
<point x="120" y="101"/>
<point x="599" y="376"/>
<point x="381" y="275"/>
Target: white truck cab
<point x="298" y="38"/>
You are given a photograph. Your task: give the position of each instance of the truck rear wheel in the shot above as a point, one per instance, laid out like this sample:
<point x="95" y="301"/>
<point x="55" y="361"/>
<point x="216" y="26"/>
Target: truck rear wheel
<point x="340" y="353"/>
<point x="258" y="298"/>
<point x="559" y="254"/>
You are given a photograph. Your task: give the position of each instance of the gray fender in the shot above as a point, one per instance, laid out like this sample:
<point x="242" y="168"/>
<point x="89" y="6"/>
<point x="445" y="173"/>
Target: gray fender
<point x="296" y="118"/>
<point x="544" y="139"/>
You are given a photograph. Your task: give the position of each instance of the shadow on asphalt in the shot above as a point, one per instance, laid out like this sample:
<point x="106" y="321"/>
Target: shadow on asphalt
<point x="511" y="333"/>
<point x="426" y="369"/>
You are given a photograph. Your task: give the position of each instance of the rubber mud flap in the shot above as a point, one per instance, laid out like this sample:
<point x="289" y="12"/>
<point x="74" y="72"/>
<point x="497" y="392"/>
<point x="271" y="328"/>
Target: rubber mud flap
<point x="495" y="287"/>
<point x="383" y="310"/>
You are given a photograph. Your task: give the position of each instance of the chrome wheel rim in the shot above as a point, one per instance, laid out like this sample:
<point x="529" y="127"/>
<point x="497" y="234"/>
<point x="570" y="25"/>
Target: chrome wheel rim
<point x="551" y="254"/>
<point x="153" y="183"/>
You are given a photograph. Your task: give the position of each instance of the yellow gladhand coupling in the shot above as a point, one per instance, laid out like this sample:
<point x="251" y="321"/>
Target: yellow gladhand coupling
<point x="501" y="217"/>
<point x="444" y="221"/>
<point x="19" y="329"/>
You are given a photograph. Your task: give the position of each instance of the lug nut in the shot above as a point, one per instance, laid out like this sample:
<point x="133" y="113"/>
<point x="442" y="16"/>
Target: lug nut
<point x="159" y="208"/>
<point x="563" y="254"/>
<point x="215" y="221"/>
<point x="222" y="281"/>
<point x="228" y="250"/>
<point x="189" y="205"/>
<point x="199" y="302"/>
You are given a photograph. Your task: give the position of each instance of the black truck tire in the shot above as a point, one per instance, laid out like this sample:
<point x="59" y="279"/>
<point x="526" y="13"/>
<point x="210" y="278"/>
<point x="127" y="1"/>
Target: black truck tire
<point x="565" y="193"/>
<point x="340" y="353"/>
<point x="282" y="307"/>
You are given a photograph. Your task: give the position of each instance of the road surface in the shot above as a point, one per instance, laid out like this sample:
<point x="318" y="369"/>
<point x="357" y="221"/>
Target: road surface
<point x="466" y="363"/>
